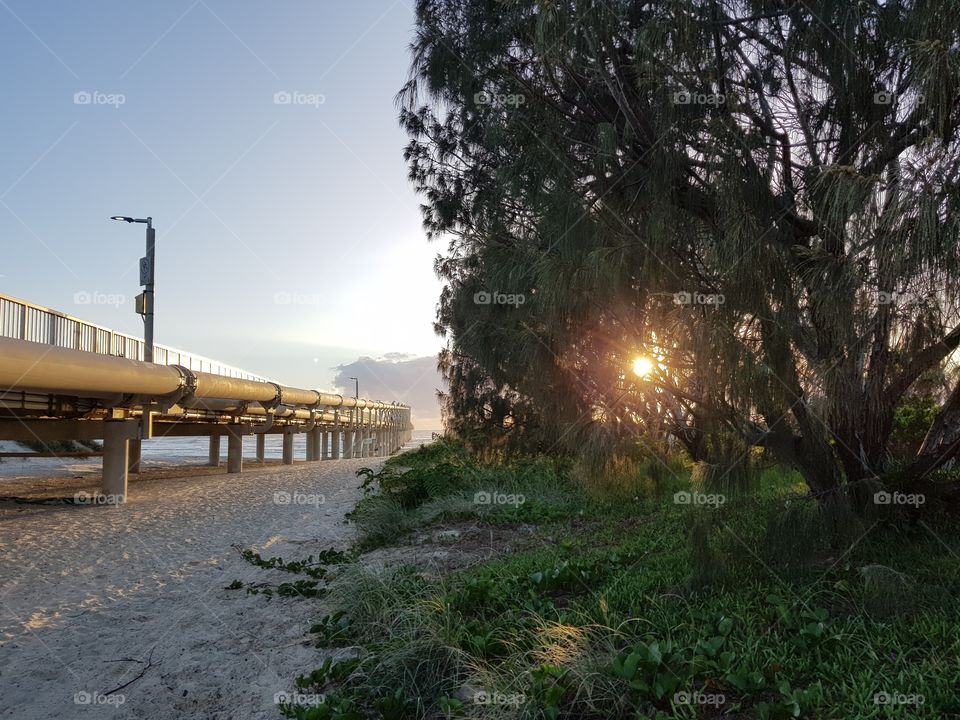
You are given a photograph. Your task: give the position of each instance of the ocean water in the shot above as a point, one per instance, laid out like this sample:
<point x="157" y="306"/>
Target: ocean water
<point x="196" y="448"/>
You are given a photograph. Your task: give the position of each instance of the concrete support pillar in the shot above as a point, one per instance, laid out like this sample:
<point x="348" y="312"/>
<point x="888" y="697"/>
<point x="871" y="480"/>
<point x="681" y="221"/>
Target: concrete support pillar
<point x="368" y="446"/>
<point x="288" y="448"/>
<point x="356" y="417"/>
<point x="234" y="451"/>
<point x="116" y="435"/>
<point x="133" y="455"/>
<point x="316" y="437"/>
<point x="309" y="446"/>
<point x="324" y="445"/>
<point x="214" y="460"/>
<point x="356" y="423"/>
<point x="261" y="447"/>
<point x="335" y="444"/>
<point x="364" y="444"/>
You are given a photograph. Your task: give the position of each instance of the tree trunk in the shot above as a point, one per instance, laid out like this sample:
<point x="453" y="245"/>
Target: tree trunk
<point x="942" y="442"/>
<point x="816" y="459"/>
<point x="862" y="425"/>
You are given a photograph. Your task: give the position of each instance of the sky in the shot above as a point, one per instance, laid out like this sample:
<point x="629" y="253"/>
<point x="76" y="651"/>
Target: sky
<point x="262" y="138"/>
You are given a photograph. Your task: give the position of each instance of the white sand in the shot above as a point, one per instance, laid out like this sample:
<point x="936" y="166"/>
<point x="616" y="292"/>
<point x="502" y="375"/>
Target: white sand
<point x="87" y="592"/>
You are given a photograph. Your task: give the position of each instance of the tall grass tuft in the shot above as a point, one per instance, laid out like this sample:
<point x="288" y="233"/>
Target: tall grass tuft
<point x="707" y="563"/>
<point x="414" y="631"/>
<point x="886" y="592"/>
<point x="794" y="534"/>
<point x="733" y="475"/>
<point x="652" y="474"/>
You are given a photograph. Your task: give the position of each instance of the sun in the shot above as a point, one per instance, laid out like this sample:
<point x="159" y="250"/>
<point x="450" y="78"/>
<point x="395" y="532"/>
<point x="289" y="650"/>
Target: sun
<point x="642" y="366"/>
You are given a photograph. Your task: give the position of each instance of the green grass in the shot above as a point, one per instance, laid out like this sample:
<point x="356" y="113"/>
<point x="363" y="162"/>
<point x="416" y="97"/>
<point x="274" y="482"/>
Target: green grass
<point x="639" y="605"/>
<point x="441" y="483"/>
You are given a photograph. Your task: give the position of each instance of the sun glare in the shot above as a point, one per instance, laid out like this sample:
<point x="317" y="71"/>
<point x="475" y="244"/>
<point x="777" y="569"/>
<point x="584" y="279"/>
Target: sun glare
<point x="642" y="366"/>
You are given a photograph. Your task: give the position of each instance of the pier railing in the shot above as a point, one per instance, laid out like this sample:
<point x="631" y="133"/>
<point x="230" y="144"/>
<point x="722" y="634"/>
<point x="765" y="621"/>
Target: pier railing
<point x="22" y="320"/>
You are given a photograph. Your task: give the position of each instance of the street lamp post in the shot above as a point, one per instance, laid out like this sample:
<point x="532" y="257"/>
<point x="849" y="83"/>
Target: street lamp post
<point x="145" y="300"/>
<point x="356" y="388"/>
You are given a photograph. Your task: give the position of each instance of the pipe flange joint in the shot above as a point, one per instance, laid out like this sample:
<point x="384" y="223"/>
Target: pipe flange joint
<point x="188" y="380"/>
<point x="277" y="401"/>
<point x="187" y="387"/>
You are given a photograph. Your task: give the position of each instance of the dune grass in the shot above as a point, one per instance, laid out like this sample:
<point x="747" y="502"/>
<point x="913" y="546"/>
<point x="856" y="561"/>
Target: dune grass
<point x="645" y="603"/>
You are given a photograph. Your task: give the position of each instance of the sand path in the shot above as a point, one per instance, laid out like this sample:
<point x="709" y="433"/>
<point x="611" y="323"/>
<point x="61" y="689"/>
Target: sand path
<point x="90" y="595"/>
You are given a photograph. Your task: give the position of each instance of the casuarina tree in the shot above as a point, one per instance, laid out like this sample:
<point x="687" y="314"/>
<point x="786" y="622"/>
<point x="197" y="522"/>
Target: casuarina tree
<point x="761" y="197"/>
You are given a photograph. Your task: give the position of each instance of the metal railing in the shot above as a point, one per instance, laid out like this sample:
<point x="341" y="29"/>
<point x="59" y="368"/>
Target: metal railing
<point x="22" y="320"/>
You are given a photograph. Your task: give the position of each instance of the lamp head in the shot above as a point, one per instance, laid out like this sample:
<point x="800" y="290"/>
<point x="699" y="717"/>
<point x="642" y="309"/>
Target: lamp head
<point x="127" y="219"/>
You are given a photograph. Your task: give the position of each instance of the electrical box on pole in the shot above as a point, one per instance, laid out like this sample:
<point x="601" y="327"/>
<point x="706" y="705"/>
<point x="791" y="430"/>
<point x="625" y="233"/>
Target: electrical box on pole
<point x="142" y="304"/>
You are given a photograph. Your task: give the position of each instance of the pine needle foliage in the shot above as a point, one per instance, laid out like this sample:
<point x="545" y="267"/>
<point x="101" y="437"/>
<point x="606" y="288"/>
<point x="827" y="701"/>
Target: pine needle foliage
<point x="762" y="197"/>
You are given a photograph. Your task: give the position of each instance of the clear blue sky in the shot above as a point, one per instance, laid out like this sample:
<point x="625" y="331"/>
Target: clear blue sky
<point x="288" y="237"/>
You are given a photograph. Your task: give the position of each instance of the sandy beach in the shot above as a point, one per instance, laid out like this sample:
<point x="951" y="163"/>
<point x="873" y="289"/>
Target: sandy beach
<point x="92" y="598"/>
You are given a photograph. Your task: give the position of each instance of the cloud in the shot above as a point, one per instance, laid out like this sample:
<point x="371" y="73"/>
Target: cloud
<point x="397" y="376"/>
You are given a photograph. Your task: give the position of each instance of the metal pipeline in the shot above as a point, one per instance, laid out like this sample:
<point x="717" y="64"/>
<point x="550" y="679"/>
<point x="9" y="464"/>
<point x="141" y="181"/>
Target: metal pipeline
<point x="239" y="408"/>
<point x="34" y="366"/>
<point x="44" y="368"/>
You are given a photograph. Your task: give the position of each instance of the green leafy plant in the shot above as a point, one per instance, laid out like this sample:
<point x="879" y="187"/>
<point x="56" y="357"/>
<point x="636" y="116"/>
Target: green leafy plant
<point x="652" y="668"/>
<point x="548" y="688"/>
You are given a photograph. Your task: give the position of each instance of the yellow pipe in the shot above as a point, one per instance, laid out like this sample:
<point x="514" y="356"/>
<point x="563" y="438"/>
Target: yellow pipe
<point x="45" y="368"/>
